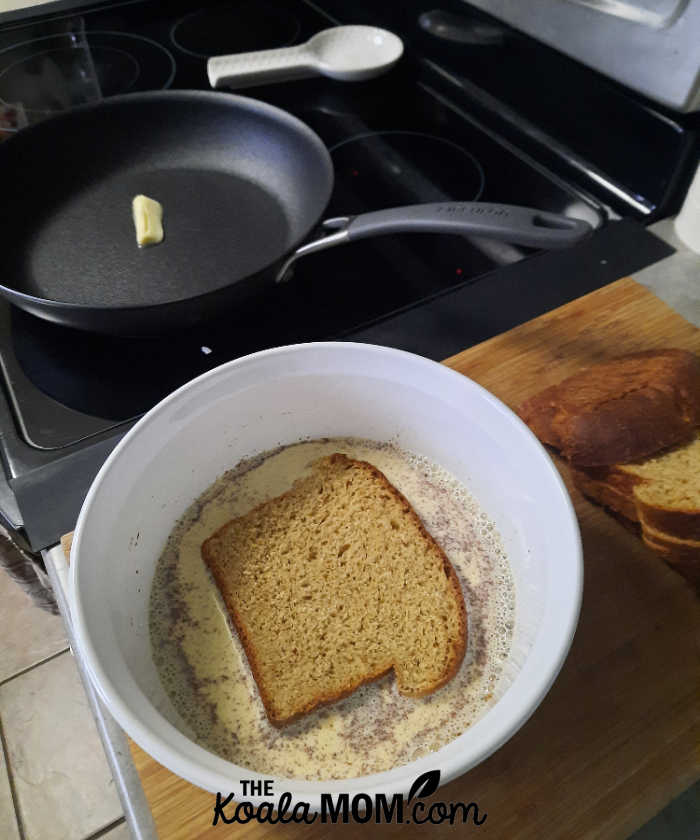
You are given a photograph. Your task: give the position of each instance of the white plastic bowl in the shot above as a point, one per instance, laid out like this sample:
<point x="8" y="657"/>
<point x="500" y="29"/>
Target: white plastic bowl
<point x="280" y="396"/>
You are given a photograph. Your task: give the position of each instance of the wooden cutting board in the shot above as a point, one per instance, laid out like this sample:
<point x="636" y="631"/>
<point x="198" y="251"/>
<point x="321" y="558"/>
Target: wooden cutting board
<point x="618" y="735"/>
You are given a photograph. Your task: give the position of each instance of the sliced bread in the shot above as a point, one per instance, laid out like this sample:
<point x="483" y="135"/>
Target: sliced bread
<point x="336" y="583"/>
<point x="667" y="490"/>
<point x="681" y="554"/>
<point x="661" y="493"/>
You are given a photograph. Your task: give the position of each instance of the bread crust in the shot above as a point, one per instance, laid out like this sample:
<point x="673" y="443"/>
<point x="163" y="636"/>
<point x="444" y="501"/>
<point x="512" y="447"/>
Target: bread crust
<point x="210" y="557"/>
<point x="605" y="494"/>
<point x="683" y="560"/>
<point x="684" y="524"/>
<point x="621" y="410"/>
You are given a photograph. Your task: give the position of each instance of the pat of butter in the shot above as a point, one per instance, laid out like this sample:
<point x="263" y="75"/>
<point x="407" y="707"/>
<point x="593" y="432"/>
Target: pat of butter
<point x="148" y="219"/>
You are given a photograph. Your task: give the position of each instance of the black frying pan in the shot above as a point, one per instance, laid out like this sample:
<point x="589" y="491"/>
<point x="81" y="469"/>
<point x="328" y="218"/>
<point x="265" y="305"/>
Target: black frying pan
<point x="242" y="184"/>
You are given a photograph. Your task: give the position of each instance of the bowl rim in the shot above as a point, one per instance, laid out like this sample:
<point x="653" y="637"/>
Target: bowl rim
<point x="389" y="782"/>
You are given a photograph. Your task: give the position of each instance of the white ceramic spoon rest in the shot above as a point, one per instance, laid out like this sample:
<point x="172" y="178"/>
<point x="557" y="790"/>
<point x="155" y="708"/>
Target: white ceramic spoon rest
<point x="346" y="53"/>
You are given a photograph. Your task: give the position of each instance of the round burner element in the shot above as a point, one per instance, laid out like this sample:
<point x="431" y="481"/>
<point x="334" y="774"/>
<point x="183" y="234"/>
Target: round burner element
<point x="393" y="168"/>
<point x="234" y="28"/>
<point x="52" y="73"/>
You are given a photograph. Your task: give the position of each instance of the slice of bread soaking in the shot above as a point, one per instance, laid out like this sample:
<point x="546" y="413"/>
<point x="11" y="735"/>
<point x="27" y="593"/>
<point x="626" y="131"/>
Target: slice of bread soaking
<point x="335" y="583"/>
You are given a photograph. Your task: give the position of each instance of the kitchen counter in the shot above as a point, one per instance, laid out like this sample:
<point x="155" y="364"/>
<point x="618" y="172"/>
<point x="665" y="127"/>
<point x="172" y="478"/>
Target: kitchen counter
<point x="675" y="280"/>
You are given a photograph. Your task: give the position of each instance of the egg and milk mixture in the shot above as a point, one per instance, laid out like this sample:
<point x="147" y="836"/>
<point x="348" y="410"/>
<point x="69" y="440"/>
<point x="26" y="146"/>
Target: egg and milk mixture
<point x="204" y="670"/>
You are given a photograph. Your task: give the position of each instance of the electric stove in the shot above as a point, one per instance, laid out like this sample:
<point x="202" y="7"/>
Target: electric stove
<point x="473" y="111"/>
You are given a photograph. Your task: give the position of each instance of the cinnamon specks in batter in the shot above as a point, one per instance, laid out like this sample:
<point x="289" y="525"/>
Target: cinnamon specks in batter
<point x="204" y="671"/>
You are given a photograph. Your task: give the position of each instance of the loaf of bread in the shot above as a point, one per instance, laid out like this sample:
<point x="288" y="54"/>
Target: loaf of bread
<point x="656" y="490"/>
<point x="621" y="410"/>
<point x="334" y="584"/>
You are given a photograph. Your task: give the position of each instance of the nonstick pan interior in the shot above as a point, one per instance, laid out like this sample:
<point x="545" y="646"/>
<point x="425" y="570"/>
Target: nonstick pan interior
<point x="241" y="183"/>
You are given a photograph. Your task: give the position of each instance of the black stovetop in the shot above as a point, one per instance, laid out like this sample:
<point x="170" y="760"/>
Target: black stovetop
<point x="384" y="155"/>
<point x="414" y="135"/>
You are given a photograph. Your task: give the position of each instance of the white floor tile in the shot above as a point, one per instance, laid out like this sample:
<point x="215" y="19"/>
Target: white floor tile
<point x="8" y="820"/>
<point x="121" y="832"/>
<point x="29" y="634"/>
<point x="11" y="5"/>
<point x="62" y="781"/>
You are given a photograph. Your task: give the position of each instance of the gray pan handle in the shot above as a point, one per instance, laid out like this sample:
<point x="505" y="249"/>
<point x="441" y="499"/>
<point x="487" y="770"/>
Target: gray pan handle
<point x="505" y="222"/>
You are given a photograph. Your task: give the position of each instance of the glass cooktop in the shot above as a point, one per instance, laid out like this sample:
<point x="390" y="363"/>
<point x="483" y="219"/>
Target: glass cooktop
<point x="67" y="385"/>
<point x="398" y="139"/>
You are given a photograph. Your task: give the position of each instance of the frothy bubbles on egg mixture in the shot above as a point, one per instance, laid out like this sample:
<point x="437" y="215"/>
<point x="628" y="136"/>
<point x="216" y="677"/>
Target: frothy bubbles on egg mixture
<point x="204" y="670"/>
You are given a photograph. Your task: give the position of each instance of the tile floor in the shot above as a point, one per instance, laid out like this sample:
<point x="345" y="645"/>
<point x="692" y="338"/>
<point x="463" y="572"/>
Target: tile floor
<point x="11" y="5"/>
<point x="55" y="783"/>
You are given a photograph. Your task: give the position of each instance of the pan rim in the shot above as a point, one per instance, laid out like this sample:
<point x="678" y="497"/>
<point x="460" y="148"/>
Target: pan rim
<point x="190" y="95"/>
